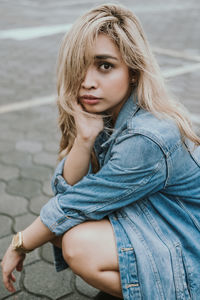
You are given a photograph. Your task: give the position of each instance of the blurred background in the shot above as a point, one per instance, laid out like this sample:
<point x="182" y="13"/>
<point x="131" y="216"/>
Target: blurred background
<point x="30" y="35"/>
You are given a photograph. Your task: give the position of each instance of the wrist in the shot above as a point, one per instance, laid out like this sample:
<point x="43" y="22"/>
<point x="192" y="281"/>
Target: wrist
<point x="85" y="142"/>
<point x="15" y="252"/>
<point x="18" y="244"/>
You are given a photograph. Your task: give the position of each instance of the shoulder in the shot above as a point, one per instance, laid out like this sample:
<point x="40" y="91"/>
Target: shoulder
<point x="163" y="131"/>
<point x="133" y="150"/>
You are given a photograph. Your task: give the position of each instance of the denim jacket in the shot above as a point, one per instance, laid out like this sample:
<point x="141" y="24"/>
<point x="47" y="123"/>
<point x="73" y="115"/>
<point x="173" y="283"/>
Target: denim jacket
<point x="149" y="187"/>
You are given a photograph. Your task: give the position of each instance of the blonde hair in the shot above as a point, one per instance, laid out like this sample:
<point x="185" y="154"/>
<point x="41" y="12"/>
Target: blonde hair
<point x="122" y="26"/>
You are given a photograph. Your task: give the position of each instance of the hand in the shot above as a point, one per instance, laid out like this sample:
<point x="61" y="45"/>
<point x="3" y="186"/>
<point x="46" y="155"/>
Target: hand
<point x="12" y="260"/>
<point x="87" y="126"/>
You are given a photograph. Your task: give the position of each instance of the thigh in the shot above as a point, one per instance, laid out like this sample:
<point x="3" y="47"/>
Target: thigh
<point x="93" y="243"/>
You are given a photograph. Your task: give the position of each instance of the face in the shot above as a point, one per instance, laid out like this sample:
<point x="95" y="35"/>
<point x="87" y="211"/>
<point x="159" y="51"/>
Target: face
<point x="106" y="85"/>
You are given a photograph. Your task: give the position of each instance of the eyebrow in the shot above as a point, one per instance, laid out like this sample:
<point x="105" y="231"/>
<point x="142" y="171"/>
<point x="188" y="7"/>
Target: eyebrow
<point x="105" y="56"/>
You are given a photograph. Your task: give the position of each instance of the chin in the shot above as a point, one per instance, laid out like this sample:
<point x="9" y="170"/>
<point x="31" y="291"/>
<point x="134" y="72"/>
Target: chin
<point x="93" y="109"/>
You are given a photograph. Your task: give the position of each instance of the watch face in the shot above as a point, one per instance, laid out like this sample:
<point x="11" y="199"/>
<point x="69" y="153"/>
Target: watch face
<point x="17" y="244"/>
<point x="16" y="241"/>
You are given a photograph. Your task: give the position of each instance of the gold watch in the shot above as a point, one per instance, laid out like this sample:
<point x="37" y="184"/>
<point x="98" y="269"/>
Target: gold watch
<point x="17" y="243"/>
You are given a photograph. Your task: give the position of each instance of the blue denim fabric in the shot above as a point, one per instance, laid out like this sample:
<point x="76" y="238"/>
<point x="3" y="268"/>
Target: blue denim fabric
<point x="149" y="187"/>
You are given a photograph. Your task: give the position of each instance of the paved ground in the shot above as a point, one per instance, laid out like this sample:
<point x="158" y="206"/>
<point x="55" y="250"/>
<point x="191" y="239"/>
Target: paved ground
<point x="29" y="136"/>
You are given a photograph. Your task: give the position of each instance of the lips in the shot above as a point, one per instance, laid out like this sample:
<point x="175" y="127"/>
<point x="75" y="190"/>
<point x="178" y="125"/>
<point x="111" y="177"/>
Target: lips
<point x="89" y="99"/>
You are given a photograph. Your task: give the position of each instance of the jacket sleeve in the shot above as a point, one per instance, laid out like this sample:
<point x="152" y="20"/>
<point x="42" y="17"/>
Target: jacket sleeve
<point x="57" y="174"/>
<point x="136" y="169"/>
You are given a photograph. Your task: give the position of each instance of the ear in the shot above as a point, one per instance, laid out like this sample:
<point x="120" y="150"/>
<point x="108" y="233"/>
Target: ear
<point x="133" y="80"/>
<point x="134" y="76"/>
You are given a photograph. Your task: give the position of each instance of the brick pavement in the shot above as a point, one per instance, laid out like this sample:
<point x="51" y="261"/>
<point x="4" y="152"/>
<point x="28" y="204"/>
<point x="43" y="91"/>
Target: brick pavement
<point x="29" y="138"/>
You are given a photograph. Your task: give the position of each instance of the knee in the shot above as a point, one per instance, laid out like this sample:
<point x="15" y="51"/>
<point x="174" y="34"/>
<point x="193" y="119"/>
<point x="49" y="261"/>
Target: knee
<point x="74" y="250"/>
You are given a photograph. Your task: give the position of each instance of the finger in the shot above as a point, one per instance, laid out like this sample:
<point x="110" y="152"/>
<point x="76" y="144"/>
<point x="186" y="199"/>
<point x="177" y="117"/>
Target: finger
<point x="19" y="267"/>
<point x="77" y="106"/>
<point x="12" y="277"/>
<point x="11" y="287"/>
<point x="8" y="283"/>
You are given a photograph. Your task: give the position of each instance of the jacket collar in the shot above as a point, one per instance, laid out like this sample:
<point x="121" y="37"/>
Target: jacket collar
<point x="128" y="110"/>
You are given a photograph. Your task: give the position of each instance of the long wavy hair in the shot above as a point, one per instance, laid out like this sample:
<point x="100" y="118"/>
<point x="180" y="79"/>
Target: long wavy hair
<point x="124" y="29"/>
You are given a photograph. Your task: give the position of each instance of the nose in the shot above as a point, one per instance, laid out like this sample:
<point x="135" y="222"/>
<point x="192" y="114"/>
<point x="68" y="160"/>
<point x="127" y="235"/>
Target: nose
<point x="90" y="80"/>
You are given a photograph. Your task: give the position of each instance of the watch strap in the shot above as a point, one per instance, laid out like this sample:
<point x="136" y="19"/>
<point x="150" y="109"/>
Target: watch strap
<point x="17" y="243"/>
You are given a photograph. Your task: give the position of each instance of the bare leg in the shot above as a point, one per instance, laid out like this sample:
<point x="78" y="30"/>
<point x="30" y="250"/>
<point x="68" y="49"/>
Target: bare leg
<point x="91" y="253"/>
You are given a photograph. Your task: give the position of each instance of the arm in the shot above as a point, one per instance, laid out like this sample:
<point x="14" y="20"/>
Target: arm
<point x="118" y="184"/>
<point x="78" y="160"/>
<point x="33" y="236"/>
<point x="135" y="170"/>
<point x="75" y="167"/>
<point x="88" y="127"/>
<point x="77" y="164"/>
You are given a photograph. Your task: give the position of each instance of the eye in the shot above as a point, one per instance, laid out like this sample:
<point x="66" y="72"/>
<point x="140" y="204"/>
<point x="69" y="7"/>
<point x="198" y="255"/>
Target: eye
<point x="105" y="66"/>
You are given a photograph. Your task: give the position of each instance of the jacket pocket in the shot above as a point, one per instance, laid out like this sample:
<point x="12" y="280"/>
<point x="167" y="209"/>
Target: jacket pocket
<point x="194" y="151"/>
<point x="129" y="272"/>
<point x="183" y="288"/>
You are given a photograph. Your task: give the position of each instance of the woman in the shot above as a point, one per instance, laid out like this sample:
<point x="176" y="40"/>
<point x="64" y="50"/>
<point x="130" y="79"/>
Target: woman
<point x="125" y="216"/>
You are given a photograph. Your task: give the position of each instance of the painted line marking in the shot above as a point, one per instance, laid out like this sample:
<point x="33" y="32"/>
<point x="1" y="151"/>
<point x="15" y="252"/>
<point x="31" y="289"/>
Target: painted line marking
<point x="18" y="106"/>
<point x="52" y="98"/>
<point x="163" y="8"/>
<point x="175" y="53"/>
<point x="68" y="3"/>
<point x="22" y="34"/>
<point x="181" y="70"/>
<point x="27" y="104"/>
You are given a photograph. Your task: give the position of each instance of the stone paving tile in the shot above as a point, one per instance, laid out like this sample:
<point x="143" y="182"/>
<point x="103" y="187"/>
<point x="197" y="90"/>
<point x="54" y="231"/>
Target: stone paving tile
<point x="8" y="172"/>
<point x="2" y="187"/>
<point x="6" y="146"/>
<point x="27" y="13"/>
<point x="46" y="253"/>
<point x="51" y="147"/>
<point x="187" y="93"/>
<point x="84" y="288"/>
<point x="13" y="205"/>
<point x="54" y="285"/>
<point x="36" y="135"/>
<point x="31" y="121"/>
<point x="16" y="158"/>
<point x="40" y="54"/>
<point x="11" y="135"/>
<point x="167" y="62"/>
<point x="5" y="225"/>
<point x="4" y="243"/>
<point x="46" y="188"/>
<point x="177" y="32"/>
<point x="3" y="126"/>
<point x="32" y="257"/>
<point x="28" y="146"/>
<point x="37" y="172"/>
<point x="23" y="187"/>
<point x="36" y="203"/>
<point x="21" y="222"/>
<point x="4" y="292"/>
<point x="26" y="296"/>
<point x="45" y="159"/>
<point x="8" y="119"/>
<point x="46" y="113"/>
<point x="75" y="296"/>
